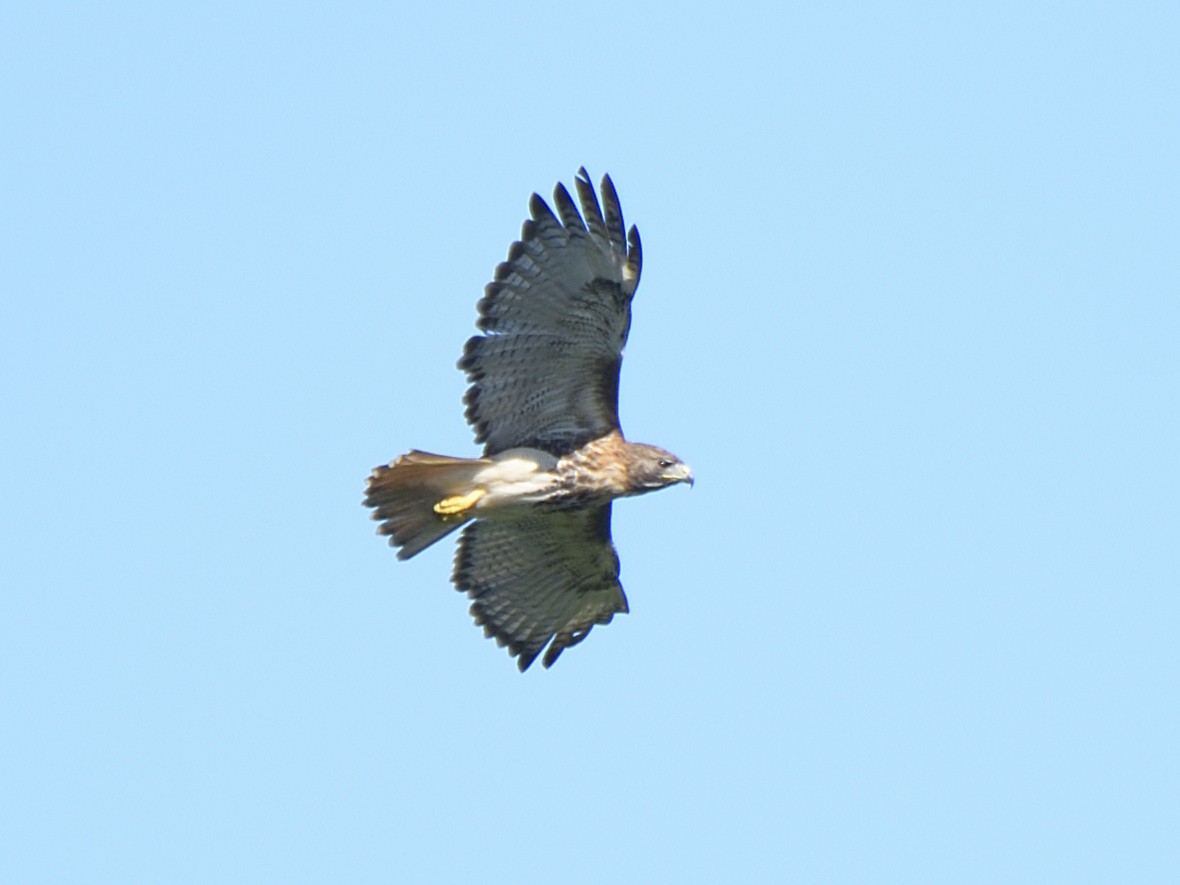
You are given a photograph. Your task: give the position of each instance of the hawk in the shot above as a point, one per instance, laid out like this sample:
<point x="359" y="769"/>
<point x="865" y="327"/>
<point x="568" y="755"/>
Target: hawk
<point x="536" y="556"/>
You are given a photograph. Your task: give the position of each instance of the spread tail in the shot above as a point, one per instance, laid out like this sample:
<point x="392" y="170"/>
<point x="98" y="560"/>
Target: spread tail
<point x="421" y="498"/>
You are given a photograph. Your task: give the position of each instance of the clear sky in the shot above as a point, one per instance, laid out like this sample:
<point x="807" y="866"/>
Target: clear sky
<point x="910" y="308"/>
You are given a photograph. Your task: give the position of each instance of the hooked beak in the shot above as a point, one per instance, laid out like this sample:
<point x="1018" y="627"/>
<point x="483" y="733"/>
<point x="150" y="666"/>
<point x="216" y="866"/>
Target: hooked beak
<point x="680" y="473"/>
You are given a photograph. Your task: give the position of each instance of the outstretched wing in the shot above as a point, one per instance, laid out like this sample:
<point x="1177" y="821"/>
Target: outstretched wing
<point x="536" y="578"/>
<point x="546" y="372"/>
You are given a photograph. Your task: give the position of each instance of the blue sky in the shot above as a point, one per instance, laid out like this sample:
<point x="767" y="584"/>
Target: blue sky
<point x="910" y="308"/>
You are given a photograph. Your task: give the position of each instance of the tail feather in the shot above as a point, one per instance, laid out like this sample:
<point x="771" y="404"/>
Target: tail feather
<point x="404" y="493"/>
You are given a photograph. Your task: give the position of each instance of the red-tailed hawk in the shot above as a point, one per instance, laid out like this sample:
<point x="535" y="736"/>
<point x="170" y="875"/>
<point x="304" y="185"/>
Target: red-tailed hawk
<point x="536" y="557"/>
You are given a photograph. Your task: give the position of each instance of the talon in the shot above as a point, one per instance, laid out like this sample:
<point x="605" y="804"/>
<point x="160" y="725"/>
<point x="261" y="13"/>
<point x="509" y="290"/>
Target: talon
<point x="458" y="503"/>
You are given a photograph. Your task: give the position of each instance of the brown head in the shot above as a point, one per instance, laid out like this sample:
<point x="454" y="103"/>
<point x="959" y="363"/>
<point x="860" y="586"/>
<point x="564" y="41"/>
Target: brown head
<point x="650" y="468"/>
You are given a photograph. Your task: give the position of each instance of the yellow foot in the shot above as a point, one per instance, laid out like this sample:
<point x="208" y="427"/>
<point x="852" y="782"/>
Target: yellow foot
<point x="458" y="503"/>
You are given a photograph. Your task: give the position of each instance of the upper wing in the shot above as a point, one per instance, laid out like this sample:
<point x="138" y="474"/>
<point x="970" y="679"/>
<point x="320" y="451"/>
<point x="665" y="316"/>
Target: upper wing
<point x="539" y="577"/>
<point x="546" y="373"/>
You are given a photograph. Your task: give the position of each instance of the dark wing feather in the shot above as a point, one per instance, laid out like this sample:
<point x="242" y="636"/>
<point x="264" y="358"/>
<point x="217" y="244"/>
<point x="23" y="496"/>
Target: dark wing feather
<point x="536" y="578"/>
<point x="546" y="372"/>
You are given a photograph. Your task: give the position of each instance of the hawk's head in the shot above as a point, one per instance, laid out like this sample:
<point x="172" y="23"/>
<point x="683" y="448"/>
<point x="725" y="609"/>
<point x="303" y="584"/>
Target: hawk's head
<point x="650" y="468"/>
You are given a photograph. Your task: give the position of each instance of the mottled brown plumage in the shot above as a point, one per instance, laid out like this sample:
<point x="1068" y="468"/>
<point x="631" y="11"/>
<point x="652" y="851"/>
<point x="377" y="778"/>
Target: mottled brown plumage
<point x="536" y="555"/>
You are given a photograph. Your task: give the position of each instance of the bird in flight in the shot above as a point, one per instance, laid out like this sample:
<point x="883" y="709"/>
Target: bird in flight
<point x="536" y="556"/>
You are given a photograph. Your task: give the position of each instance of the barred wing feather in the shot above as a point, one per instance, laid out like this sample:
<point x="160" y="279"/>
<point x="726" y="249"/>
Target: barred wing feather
<point x="545" y="373"/>
<point x="540" y="577"/>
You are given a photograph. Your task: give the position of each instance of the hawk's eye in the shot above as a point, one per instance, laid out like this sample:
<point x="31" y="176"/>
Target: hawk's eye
<point x="665" y="463"/>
